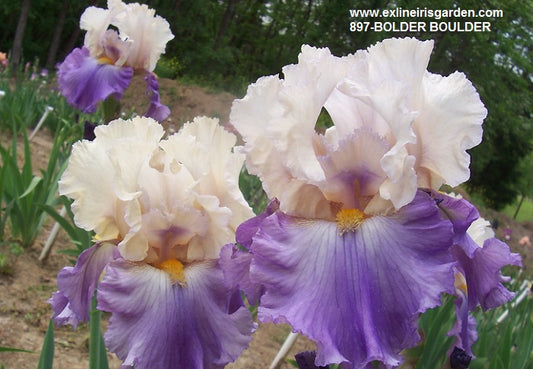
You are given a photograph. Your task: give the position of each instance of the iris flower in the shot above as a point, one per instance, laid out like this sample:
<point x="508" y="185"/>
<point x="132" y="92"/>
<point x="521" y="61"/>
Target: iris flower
<point x="357" y="242"/>
<point x="161" y="211"/>
<point x="105" y="64"/>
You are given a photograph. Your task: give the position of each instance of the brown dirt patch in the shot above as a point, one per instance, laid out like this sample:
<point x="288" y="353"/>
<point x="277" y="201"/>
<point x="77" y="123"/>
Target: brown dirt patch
<point x="185" y="101"/>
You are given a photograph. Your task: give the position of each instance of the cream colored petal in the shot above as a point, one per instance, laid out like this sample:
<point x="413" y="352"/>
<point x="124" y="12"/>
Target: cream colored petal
<point x="353" y="169"/>
<point x="381" y="95"/>
<point x="134" y="246"/>
<point x="96" y="21"/>
<point x="205" y="149"/>
<point x="259" y="119"/>
<point x="305" y="200"/>
<point x="166" y="189"/>
<point x="103" y="173"/>
<point x="146" y="33"/>
<point x="88" y="179"/>
<point x="138" y="128"/>
<point x="401" y="189"/>
<point x="280" y="115"/>
<point x="449" y="124"/>
<point x="232" y="197"/>
<point x="480" y="230"/>
<point x="403" y="60"/>
<point x="218" y="232"/>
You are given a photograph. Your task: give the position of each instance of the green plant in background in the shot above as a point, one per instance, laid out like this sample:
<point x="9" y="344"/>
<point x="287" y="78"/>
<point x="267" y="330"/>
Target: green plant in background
<point x="24" y="102"/>
<point x="253" y="192"/>
<point x="81" y="239"/>
<point x="46" y="358"/>
<point x="24" y="193"/>
<point x="324" y="121"/>
<point x="11" y="349"/>
<point x="168" y="67"/>
<point x="434" y="325"/>
<point x="506" y="334"/>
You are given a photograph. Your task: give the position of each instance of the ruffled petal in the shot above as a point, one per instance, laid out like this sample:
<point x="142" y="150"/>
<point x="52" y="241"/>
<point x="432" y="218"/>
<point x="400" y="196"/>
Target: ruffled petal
<point x="385" y="90"/>
<point x="84" y="82"/>
<point x="235" y="259"/>
<point x="280" y="143"/>
<point x="76" y="285"/>
<point x="460" y="212"/>
<point x="146" y="33"/>
<point x="205" y="149"/>
<point x="156" y="110"/>
<point x="480" y="256"/>
<point x="382" y="90"/>
<point x="218" y="232"/>
<point x="96" y="21"/>
<point x="449" y="124"/>
<point x="158" y="324"/>
<point x="141" y="39"/>
<point x="102" y="174"/>
<point x="357" y="294"/>
<point x="262" y="159"/>
<point x="235" y="264"/>
<point x="247" y="230"/>
<point x="483" y="273"/>
<point x="61" y="312"/>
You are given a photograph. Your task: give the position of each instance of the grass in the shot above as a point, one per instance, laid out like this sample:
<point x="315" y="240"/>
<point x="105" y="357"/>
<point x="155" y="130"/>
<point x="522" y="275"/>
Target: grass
<point x="24" y="193"/>
<point x="525" y="213"/>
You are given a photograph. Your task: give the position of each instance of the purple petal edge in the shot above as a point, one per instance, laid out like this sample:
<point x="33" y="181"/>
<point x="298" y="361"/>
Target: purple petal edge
<point x="480" y="265"/>
<point x="235" y="259"/>
<point x="159" y="324"/>
<point x="156" y="110"/>
<point x="358" y="295"/>
<point x="84" y="82"/>
<point x="235" y="264"/>
<point x="76" y="285"/>
<point x="483" y="273"/>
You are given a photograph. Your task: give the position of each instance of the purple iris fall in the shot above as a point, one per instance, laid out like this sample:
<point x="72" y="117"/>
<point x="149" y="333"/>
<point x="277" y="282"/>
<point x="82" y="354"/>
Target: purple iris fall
<point x="161" y="211"/>
<point x="357" y="241"/>
<point x="104" y="66"/>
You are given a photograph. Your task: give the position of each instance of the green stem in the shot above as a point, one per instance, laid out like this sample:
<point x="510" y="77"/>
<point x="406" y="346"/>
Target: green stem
<point x="97" y="351"/>
<point x="518" y="207"/>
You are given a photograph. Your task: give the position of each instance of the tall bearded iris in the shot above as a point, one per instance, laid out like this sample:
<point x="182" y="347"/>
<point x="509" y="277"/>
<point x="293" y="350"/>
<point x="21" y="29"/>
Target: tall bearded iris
<point x="161" y="210"/>
<point x="104" y="66"/>
<point x="358" y="242"/>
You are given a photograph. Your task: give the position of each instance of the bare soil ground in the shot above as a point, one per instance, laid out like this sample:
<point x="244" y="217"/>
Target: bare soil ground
<point x="24" y="313"/>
